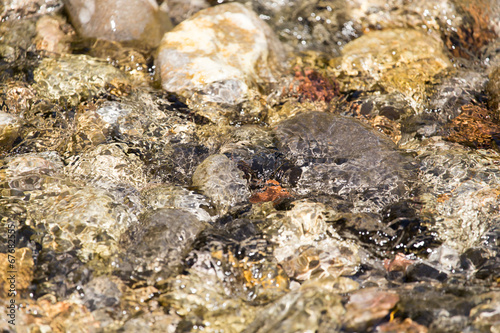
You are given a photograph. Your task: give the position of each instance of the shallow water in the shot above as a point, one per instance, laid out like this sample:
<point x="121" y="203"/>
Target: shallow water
<point x="340" y="174"/>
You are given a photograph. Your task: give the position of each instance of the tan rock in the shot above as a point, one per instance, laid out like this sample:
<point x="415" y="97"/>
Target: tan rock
<point x="220" y="52"/>
<point x="138" y="21"/>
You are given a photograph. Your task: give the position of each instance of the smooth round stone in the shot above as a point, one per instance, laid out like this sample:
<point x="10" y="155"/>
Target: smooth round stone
<point x="220" y="52"/>
<point x="341" y="156"/>
<point x="218" y="178"/>
<point x="141" y="22"/>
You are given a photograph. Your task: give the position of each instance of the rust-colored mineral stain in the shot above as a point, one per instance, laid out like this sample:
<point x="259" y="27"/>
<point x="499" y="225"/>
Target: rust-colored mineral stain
<point x="475" y="128"/>
<point x="309" y="84"/>
<point x="272" y="192"/>
<point x="399" y="263"/>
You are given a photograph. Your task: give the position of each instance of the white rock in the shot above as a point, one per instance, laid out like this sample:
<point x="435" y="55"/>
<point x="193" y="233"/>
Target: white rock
<point x="220" y="52"/>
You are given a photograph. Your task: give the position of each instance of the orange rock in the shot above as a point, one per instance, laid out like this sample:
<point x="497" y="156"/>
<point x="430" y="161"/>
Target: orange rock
<point x="475" y="128"/>
<point x="272" y="192"/>
<point x="399" y="263"/>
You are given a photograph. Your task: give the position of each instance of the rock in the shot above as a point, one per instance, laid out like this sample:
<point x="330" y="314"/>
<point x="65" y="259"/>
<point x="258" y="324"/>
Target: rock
<point x="10" y="128"/>
<point x="157" y="246"/>
<point x="493" y="90"/>
<point x="340" y="156"/>
<point x="112" y="20"/>
<point x="86" y="219"/>
<point x="50" y="315"/>
<point x="201" y="300"/>
<point x="367" y="306"/>
<point x="84" y="77"/>
<point x="107" y="166"/>
<point x="219" y="53"/>
<point x="311" y="308"/>
<point x="307" y="246"/>
<point x="181" y="10"/>
<point x="17" y="262"/>
<point x="462" y="207"/>
<point x="17" y="9"/>
<point x="218" y="178"/>
<point x="244" y="261"/>
<point x="167" y="196"/>
<point x="102" y="292"/>
<point x="486" y="315"/>
<point x="50" y="35"/>
<point x="400" y="60"/>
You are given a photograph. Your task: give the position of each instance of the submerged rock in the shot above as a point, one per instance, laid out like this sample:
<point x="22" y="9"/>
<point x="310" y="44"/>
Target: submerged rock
<point x="83" y="77"/>
<point x="219" y="53"/>
<point x="307" y="246"/>
<point x="311" y="308"/>
<point x="112" y="20"/>
<point x="400" y="60"/>
<point x="218" y="178"/>
<point x="461" y="191"/>
<point x="157" y="246"/>
<point x="340" y="156"/>
<point x="10" y="126"/>
<point x="108" y="165"/>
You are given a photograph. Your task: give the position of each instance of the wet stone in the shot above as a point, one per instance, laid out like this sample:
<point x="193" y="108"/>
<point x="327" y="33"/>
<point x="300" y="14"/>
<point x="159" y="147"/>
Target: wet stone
<point x="367" y="306"/>
<point x="16" y="9"/>
<point x="393" y="60"/>
<point x="108" y="165"/>
<point x="340" y="156"/>
<point x="460" y="193"/>
<point x="309" y="308"/>
<point x="110" y="20"/>
<point x="219" y="53"/>
<point x="10" y="126"/>
<point x="85" y="219"/>
<point x="244" y="262"/>
<point x="84" y="77"/>
<point x="158" y="244"/>
<point x="493" y="89"/>
<point x="53" y="35"/>
<point x="307" y="246"/>
<point x="218" y="178"/>
<point x="177" y="197"/>
<point x="201" y="300"/>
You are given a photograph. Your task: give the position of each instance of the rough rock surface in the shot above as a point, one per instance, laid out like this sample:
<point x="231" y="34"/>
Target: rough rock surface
<point x="219" y="52"/>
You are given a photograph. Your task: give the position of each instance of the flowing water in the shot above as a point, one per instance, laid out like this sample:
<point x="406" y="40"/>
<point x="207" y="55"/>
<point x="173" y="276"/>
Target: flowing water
<point x="268" y="166"/>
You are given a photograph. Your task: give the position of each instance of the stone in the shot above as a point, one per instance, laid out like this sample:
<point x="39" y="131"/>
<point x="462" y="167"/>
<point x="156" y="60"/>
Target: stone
<point x="462" y="207"/>
<point x="219" y="53"/>
<point x="158" y="244"/>
<point x="168" y="196"/>
<point x="51" y="36"/>
<point x="366" y="306"/>
<point x="10" y="128"/>
<point x="307" y="246"/>
<point x="311" y="308"/>
<point x="340" y="156"/>
<point x="83" y="77"/>
<point x="493" y="90"/>
<point x="108" y="165"/>
<point x="112" y="20"/>
<point x="17" y="9"/>
<point x="218" y="178"/>
<point x="392" y="60"/>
